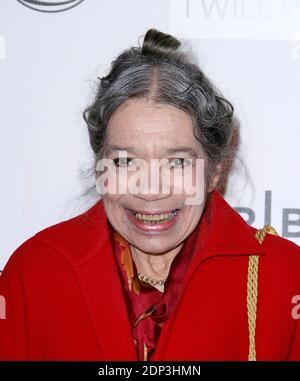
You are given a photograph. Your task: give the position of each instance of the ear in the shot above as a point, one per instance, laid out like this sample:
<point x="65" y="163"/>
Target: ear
<point x="215" y="178"/>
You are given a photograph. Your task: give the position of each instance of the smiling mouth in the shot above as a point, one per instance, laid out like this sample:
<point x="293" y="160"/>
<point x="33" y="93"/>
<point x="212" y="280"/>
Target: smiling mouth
<point x="154" y="219"/>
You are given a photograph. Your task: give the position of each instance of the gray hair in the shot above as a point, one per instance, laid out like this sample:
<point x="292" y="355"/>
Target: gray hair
<point x="161" y="72"/>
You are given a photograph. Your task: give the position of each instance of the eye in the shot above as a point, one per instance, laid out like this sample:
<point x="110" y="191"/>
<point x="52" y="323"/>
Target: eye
<point x="180" y="162"/>
<point x="124" y="162"/>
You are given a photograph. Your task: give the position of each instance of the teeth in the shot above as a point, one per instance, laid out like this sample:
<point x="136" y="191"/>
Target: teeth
<point x="154" y="218"/>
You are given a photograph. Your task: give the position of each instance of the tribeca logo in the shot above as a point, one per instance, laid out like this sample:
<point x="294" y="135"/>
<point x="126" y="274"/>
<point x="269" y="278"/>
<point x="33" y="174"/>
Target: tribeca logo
<point x="244" y="9"/>
<point x="236" y="19"/>
<point x="290" y="217"/>
<point x="50" y="6"/>
<point x="176" y="176"/>
<point x="296" y="308"/>
<point x="2" y="308"/>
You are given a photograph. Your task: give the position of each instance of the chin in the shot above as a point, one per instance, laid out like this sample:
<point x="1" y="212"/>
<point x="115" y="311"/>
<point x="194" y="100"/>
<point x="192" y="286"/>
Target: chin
<point x="149" y="246"/>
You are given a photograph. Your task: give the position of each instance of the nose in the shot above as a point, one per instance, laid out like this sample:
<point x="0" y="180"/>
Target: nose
<point x="156" y="188"/>
<point x="150" y="196"/>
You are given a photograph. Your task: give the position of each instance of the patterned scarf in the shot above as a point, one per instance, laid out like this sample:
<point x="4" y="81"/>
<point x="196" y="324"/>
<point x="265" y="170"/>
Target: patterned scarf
<point x="148" y="308"/>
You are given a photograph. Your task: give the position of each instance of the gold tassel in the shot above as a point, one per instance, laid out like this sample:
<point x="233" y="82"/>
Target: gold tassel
<point x="145" y="353"/>
<point x="252" y="290"/>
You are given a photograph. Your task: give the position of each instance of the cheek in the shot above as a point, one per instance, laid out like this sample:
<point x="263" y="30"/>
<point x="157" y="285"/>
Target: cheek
<point x="112" y="207"/>
<point x="195" y="212"/>
<point x="192" y="177"/>
<point x="192" y="215"/>
<point x="111" y="203"/>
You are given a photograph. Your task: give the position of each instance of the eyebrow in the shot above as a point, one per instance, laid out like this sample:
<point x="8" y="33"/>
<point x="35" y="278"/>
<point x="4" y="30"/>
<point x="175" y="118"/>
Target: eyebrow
<point x="181" y="149"/>
<point x="170" y="151"/>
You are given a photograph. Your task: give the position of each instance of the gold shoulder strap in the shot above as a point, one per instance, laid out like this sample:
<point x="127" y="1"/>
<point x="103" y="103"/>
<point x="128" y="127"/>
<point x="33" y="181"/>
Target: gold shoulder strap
<point x="252" y="290"/>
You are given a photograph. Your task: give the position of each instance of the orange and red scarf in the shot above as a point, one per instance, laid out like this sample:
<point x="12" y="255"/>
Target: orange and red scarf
<point x="148" y="308"/>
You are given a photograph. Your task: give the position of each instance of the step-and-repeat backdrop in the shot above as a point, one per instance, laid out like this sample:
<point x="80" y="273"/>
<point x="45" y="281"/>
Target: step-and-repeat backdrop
<point x="51" y="53"/>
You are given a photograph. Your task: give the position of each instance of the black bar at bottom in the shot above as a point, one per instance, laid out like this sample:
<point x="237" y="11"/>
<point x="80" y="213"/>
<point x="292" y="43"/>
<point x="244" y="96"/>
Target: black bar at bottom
<point x="131" y="370"/>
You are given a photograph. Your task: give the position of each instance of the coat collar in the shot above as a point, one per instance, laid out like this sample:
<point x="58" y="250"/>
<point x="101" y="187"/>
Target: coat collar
<point x="221" y="231"/>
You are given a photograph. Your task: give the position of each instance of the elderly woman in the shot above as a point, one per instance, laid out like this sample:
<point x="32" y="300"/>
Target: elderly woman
<point x="146" y="274"/>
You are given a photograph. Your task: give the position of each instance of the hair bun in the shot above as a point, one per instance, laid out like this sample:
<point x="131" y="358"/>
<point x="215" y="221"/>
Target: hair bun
<point x="159" y="44"/>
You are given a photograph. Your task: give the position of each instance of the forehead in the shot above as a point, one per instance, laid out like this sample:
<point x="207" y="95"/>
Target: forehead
<point x="142" y="122"/>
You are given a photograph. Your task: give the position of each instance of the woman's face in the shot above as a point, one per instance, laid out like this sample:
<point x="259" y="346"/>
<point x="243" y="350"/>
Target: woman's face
<point x="155" y="222"/>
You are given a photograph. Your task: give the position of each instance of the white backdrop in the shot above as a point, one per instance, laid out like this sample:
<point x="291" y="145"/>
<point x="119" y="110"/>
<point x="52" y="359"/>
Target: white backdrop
<point x="48" y="64"/>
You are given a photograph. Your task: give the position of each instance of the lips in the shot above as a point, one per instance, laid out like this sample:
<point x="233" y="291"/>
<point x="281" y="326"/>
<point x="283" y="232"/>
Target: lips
<point x="154" y="218"/>
<point x="152" y="221"/>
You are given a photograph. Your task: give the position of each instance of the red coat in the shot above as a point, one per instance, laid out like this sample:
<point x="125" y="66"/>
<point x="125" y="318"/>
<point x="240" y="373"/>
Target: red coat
<point x="64" y="299"/>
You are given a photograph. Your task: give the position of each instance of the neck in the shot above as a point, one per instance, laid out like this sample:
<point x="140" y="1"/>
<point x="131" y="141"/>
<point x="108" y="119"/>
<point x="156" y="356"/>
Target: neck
<point x="154" y="266"/>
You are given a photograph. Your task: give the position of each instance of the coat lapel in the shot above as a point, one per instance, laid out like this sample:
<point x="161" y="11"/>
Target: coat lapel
<point x="94" y="265"/>
<point x="101" y="289"/>
<point x="221" y="232"/>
